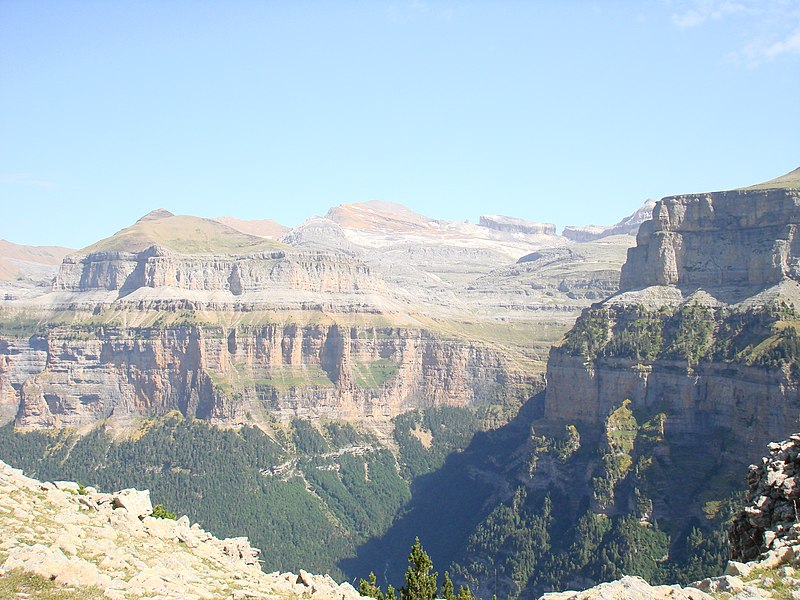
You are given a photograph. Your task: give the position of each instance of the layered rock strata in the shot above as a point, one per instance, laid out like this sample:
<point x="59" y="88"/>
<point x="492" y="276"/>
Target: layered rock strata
<point x="703" y="328"/>
<point x="738" y="238"/>
<point x="80" y="538"/>
<point x="243" y="375"/>
<point x="157" y="267"/>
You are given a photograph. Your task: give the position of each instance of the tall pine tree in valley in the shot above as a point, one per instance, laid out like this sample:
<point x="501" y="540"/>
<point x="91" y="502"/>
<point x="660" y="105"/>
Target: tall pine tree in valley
<point x="420" y="582"/>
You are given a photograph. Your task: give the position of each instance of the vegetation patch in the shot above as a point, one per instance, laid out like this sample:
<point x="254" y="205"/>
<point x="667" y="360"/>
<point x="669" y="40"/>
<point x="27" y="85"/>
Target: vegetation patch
<point x="374" y="374"/>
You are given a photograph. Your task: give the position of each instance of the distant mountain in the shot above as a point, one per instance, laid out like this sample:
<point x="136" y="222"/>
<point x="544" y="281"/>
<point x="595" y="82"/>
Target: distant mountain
<point x="18" y="261"/>
<point x="628" y="226"/>
<point x="266" y="228"/>
<point x="183" y="234"/>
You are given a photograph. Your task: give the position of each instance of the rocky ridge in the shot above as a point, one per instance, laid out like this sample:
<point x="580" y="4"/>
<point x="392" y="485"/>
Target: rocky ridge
<point x="629" y="225"/>
<point x="80" y="538"/>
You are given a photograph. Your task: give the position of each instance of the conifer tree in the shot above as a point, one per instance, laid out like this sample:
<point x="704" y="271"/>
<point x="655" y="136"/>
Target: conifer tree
<point x="370" y="588"/>
<point x="464" y="593"/>
<point x="420" y="582"/>
<point x="448" y="593"/>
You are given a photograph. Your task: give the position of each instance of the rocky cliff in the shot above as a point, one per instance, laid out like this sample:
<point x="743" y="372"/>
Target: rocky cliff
<point x="657" y="400"/>
<point x="739" y="238"/>
<point x="704" y="327"/>
<point x="514" y="225"/>
<point x="77" y="542"/>
<point x="366" y="313"/>
<point x="245" y="374"/>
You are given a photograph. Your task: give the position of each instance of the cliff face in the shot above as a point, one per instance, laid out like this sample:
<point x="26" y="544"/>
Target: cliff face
<point x="514" y="225"/>
<point x="157" y="267"/>
<point x="706" y="329"/>
<point x="233" y="376"/>
<point x="736" y="238"/>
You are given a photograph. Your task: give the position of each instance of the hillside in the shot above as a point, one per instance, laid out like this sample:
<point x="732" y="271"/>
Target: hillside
<point x="63" y="540"/>
<point x="183" y="234"/>
<point x="266" y="228"/>
<point x="32" y="263"/>
<point x="790" y="180"/>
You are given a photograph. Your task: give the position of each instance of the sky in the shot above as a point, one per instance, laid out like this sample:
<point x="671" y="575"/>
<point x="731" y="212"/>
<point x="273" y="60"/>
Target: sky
<point x="570" y="112"/>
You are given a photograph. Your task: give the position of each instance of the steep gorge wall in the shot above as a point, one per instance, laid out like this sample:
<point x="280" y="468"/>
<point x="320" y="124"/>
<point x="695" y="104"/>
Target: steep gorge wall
<point x="752" y="403"/>
<point x="70" y="377"/>
<point x="690" y="355"/>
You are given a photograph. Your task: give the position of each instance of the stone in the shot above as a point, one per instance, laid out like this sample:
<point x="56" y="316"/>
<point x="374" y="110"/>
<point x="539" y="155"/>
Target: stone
<point x="738" y="569"/>
<point x="631" y="588"/>
<point x="136" y="502"/>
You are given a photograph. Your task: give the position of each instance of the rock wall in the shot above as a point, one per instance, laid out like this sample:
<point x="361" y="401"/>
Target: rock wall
<point x="156" y="267"/>
<point x="515" y="225"/>
<point x="72" y="377"/>
<point x="735" y="238"/>
<point x="737" y="241"/>
<point x="754" y="404"/>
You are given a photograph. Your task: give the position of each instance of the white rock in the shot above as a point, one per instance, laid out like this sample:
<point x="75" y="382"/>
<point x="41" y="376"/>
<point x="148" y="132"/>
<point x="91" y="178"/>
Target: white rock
<point x="136" y="502"/>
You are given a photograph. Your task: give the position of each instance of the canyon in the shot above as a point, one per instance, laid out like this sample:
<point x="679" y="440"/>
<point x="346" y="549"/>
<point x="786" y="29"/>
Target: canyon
<point x="530" y="399"/>
<point x="363" y="314"/>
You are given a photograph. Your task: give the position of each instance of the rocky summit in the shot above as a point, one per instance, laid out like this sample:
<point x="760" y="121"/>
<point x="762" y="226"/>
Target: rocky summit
<point x="82" y="543"/>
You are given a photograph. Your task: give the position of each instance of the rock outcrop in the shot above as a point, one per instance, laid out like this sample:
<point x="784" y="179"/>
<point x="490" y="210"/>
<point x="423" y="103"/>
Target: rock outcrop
<point x="628" y="226"/>
<point x="515" y="225"/>
<point x="80" y="538"/>
<point x="740" y="238"/>
<point x="769" y="521"/>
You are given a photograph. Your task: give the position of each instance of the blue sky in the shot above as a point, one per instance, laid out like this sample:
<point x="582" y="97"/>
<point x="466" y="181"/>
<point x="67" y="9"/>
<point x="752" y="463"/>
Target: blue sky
<point x="567" y="112"/>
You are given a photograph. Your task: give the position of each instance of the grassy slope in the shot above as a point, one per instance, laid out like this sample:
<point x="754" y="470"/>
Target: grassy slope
<point x="184" y="234"/>
<point x="790" y="180"/>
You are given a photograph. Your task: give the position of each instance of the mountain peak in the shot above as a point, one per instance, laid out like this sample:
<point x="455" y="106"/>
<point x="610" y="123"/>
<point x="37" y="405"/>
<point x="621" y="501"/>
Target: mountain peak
<point x="156" y="215"/>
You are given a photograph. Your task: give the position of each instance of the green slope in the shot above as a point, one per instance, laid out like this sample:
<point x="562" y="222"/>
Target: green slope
<point x="183" y="234"/>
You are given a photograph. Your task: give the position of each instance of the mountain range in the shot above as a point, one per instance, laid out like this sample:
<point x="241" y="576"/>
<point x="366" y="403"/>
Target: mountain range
<point x="544" y="411"/>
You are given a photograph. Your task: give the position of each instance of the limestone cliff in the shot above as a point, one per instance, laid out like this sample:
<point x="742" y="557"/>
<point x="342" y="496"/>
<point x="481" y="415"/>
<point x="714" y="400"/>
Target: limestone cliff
<point x="737" y="238"/>
<point x="242" y="375"/>
<point x="704" y="326"/>
<point x="369" y="312"/>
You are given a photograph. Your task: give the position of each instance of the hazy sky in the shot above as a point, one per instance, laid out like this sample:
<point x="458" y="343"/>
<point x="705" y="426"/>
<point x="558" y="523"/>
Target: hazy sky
<point x="568" y="112"/>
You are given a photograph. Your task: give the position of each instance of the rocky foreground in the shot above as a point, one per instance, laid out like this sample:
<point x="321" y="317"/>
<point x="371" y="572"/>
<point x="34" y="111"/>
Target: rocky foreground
<point x="83" y="543"/>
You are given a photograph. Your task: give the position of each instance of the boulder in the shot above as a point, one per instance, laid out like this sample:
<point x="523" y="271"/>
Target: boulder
<point x="136" y="502"/>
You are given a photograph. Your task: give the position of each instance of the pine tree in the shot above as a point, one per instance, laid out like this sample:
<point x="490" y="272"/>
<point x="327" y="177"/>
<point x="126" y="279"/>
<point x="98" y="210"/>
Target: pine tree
<point x="448" y="593"/>
<point x="464" y="593"/>
<point x="370" y="588"/>
<point x="420" y="582"/>
<point x="390" y="593"/>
